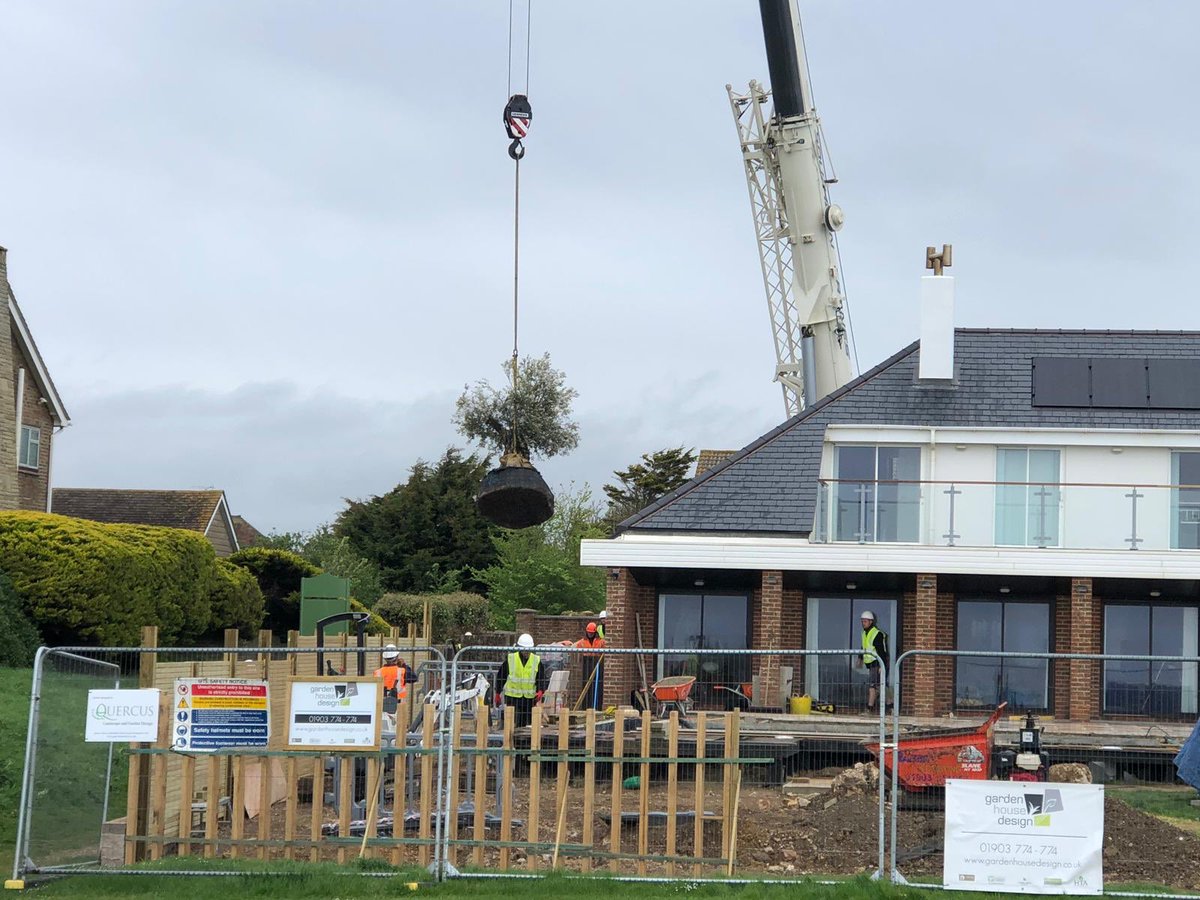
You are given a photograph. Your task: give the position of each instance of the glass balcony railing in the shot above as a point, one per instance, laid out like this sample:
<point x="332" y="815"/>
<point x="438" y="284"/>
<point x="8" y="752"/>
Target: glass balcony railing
<point x="1008" y="514"/>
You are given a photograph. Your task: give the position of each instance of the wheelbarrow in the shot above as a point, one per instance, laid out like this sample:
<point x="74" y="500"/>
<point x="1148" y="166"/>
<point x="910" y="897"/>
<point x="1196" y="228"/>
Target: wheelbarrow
<point x="672" y="694"/>
<point x="925" y="759"/>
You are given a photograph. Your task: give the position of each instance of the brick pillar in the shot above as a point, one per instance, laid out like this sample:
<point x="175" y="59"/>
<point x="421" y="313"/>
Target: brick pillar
<point x="768" y="635"/>
<point x="1083" y="700"/>
<point x="1060" y="670"/>
<point x="920" y="675"/>
<point x="792" y="635"/>
<point x="9" y="494"/>
<point x="625" y="599"/>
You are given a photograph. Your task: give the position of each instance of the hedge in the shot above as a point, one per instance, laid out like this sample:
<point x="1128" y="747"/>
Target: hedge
<point x="237" y="600"/>
<point x="451" y="614"/>
<point x="19" y="638"/>
<point x="90" y="583"/>
<point x="278" y="573"/>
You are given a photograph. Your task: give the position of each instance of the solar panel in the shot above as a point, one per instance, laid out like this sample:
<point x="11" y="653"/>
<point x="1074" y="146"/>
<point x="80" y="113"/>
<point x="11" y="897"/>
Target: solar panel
<point x="1116" y="382"/>
<point x="1119" y="383"/>
<point x="1061" y="381"/>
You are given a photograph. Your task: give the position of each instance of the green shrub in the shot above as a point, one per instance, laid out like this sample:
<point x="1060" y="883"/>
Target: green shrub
<point x="91" y="583"/>
<point x="19" y="638"/>
<point x="278" y="573"/>
<point x="376" y="624"/>
<point x="237" y="600"/>
<point x="451" y="614"/>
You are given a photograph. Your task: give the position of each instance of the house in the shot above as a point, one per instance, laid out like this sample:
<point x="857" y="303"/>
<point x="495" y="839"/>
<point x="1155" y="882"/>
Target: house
<point x="32" y="411"/>
<point x="204" y="511"/>
<point x="247" y="534"/>
<point x="1045" y="498"/>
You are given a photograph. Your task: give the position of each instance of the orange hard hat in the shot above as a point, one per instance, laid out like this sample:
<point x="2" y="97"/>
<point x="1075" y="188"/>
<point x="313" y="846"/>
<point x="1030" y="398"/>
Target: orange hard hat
<point x="591" y="627"/>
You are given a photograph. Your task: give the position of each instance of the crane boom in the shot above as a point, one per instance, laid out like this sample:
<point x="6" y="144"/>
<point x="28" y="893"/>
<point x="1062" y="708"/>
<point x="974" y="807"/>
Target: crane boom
<point x="795" y="223"/>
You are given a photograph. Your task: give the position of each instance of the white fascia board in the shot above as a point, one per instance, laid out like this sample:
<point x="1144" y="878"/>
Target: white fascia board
<point x="1058" y="437"/>
<point x="29" y="350"/>
<point x="798" y="555"/>
<point x="223" y="507"/>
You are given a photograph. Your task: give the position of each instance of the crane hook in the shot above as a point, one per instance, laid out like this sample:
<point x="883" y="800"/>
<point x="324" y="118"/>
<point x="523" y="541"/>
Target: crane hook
<point x="518" y="116"/>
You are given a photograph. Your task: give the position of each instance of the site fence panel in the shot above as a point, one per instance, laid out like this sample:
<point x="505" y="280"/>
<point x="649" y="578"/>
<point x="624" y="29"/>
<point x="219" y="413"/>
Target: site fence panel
<point x="657" y="785"/>
<point x="1045" y="717"/>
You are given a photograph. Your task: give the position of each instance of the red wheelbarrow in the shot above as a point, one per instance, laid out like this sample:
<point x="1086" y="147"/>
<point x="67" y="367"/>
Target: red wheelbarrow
<point x="927" y="758"/>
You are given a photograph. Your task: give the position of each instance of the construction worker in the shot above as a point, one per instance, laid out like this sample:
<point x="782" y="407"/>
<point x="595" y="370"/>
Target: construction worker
<point x="593" y="640"/>
<point x="875" y="654"/>
<point x="523" y="679"/>
<point x="395" y="675"/>
<point x="600" y="623"/>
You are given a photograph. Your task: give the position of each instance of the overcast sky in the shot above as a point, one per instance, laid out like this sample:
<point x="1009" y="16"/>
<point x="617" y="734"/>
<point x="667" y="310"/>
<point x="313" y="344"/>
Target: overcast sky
<point x="263" y="245"/>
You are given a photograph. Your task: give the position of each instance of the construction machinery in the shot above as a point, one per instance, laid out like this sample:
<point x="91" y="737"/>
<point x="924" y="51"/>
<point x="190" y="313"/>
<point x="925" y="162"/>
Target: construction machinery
<point x="795" y="222"/>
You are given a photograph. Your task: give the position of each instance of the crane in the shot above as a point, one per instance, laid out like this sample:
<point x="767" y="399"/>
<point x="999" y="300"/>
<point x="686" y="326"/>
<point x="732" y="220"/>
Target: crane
<point x="794" y="221"/>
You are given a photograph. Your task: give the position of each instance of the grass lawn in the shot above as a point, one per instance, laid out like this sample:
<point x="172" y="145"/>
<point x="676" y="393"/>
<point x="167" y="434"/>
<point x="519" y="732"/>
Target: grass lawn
<point x="14" y="701"/>
<point x="328" y="881"/>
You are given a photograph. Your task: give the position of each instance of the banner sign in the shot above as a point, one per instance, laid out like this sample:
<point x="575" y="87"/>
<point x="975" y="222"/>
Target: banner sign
<point x="215" y="713"/>
<point x="122" y="715"/>
<point x="1024" y="837"/>
<point x="336" y="713"/>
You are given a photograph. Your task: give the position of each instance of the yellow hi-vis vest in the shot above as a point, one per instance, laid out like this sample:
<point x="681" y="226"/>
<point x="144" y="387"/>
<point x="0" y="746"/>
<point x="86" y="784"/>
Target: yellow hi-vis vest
<point x="522" y="676"/>
<point x="868" y="641"/>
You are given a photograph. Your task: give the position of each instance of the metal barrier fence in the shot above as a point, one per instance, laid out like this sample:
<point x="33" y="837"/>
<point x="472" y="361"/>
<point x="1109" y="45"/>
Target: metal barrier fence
<point x="464" y="788"/>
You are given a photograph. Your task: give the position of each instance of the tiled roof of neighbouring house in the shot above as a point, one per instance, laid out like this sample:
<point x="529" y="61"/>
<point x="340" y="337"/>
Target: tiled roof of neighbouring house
<point x="192" y="510"/>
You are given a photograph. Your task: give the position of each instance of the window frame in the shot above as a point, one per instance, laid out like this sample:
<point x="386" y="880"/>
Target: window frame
<point x="1004" y="601"/>
<point x="872" y="524"/>
<point x="857" y="683"/>
<point x="1176" y="494"/>
<point x="1027" y="540"/>
<point x="31" y="436"/>
<point x="1162" y="603"/>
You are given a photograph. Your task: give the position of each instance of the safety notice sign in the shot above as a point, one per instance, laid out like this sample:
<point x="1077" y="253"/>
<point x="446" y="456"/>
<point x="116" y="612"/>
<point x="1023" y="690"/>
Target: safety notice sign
<point x="215" y="713"/>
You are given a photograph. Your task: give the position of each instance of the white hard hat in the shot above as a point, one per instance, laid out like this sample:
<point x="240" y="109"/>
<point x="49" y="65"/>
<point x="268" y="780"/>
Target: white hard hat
<point x="867" y="614"/>
<point x="525" y="642"/>
<point x="390" y="652"/>
<point x="604" y="613"/>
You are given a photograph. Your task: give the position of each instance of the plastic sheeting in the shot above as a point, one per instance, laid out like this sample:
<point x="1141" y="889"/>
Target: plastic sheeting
<point x="1187" y="760"/>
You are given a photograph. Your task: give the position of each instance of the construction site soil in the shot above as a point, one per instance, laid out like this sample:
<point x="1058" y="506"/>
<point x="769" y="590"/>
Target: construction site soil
<point x="834" y="832"/>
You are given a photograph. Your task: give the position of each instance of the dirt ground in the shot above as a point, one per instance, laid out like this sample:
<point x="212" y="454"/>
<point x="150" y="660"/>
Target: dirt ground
<point x="831" y="833"/>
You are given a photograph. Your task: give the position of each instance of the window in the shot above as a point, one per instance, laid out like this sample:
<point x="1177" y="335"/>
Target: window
<point x="984" y="682"/>
<point x="1148" y="687"/>
<point x="878" y="497"/>
<point x="705" y="622"/>
<point x="1027" y="497"/>
<point x="1185" y="501"/>
<point x="31" y="446"/>
<point x="833" y="624"/>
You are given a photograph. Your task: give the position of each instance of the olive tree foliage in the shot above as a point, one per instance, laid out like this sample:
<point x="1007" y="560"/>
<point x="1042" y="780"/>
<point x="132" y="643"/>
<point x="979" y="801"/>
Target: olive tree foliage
<point x="543" y="423"/>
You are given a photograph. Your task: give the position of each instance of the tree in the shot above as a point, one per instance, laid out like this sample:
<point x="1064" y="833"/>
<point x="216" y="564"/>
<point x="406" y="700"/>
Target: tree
<point x="278" y="573"/>
<point x="424" y="534"/>
<point x="642" y="483"/>
<point x="538" y="568"/>
<point x="333" y="554"/>
<point x="542" y="411"/>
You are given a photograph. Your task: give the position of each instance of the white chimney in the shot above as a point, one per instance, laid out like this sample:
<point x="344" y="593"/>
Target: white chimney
<point x="937" y="320"/>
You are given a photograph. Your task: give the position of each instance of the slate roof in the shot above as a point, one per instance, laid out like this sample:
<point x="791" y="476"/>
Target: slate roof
<point x="770" y="486"/>
<point x="192" y="510"/>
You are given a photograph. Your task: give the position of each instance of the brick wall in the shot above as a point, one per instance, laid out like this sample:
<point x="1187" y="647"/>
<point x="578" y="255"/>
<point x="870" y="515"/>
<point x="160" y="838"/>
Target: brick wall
<point x="33" y="484"/>
<point x="9" y="493"/>
<point x="1060" y="681"/>
<point x="792" y="631"/>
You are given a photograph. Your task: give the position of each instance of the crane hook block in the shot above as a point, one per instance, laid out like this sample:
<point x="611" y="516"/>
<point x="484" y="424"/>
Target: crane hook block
<point x="518" y="115"/>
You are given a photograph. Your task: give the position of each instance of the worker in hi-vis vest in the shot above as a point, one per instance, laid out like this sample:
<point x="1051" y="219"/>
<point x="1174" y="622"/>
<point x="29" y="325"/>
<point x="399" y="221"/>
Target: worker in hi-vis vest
<point x="523" y="681"/>
<point x="394" y="673"/>
<point x="875" y="654"/>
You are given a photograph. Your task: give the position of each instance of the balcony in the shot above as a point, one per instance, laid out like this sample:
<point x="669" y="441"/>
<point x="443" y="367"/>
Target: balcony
<point x="1074" y="516"/>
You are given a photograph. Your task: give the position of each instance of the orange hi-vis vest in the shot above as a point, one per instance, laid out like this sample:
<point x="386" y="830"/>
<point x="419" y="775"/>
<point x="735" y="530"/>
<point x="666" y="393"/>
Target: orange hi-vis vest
<point x="584" y="644"/>
<point x="393" y="682"/>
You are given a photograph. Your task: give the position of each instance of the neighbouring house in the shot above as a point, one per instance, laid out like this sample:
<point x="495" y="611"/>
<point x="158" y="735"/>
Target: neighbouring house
<point x="709" y="458"/>
<point x="32" y="413"/>
<point x="247" y="534"/>
<point x="204" y="511"/>
<point x="1046" y="498"/>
